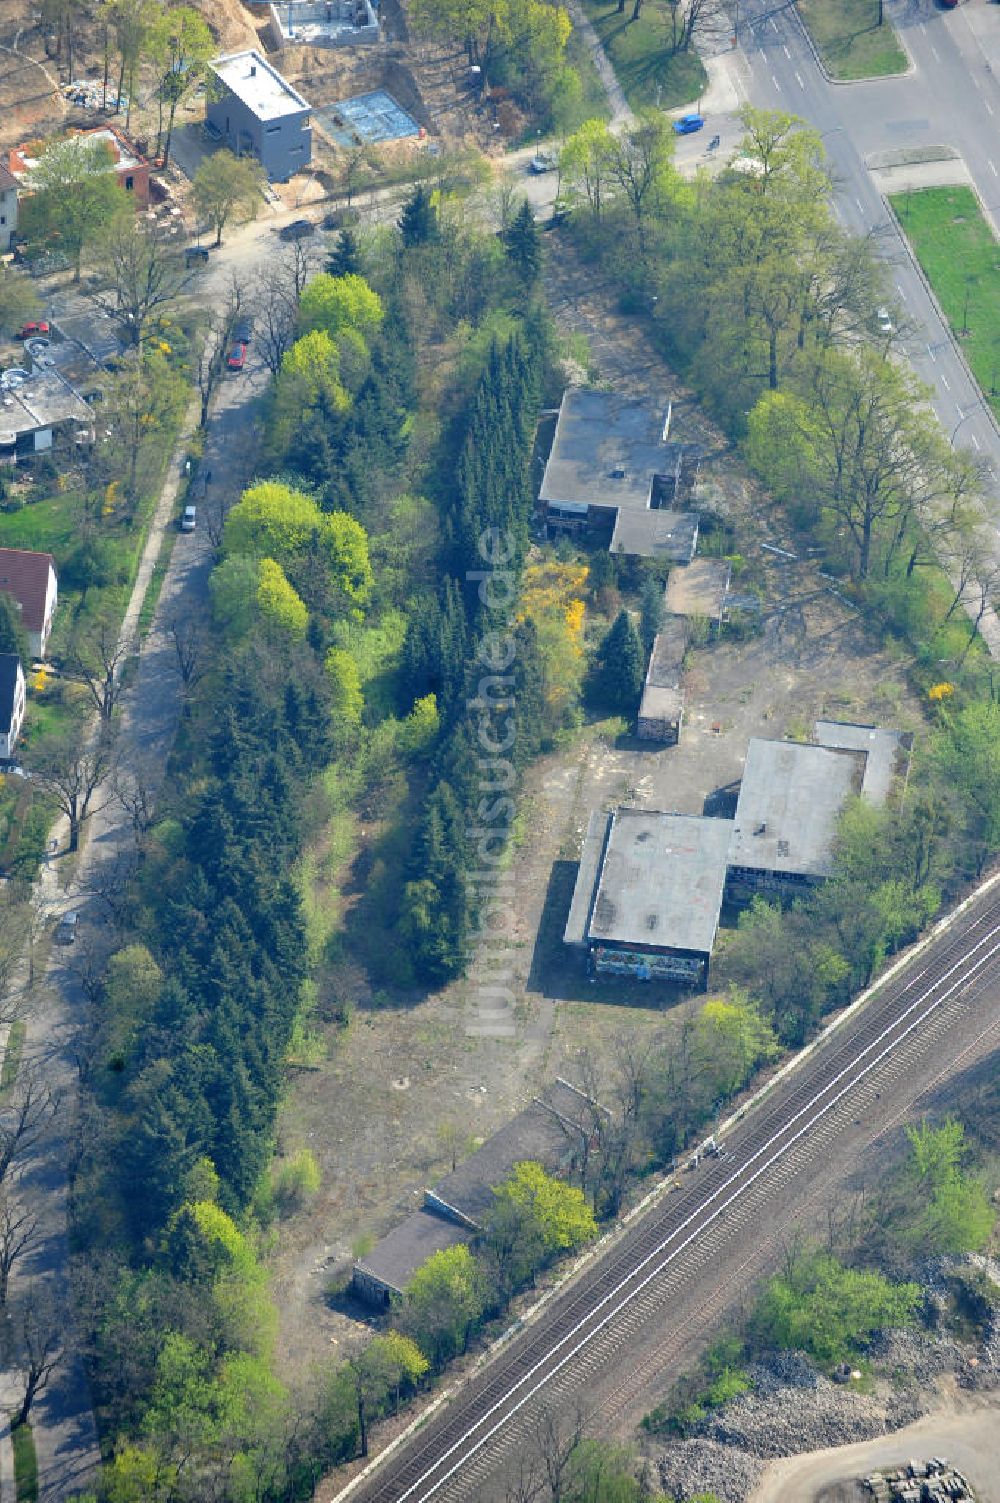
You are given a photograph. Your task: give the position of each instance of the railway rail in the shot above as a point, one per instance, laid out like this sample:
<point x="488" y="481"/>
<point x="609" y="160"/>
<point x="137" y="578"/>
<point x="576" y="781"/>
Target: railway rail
<point x="588" y="1326"/>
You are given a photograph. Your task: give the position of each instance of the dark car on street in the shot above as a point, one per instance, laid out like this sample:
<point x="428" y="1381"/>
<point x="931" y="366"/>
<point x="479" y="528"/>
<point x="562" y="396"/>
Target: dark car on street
<point x="299" y="229"/>
<point x="243" y="330"/>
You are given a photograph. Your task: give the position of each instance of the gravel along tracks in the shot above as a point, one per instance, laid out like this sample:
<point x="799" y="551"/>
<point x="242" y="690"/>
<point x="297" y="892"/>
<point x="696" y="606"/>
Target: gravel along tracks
<point x="459" y="1451"/>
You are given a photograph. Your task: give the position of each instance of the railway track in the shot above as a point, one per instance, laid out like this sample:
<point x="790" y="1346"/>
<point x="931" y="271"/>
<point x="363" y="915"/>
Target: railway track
<point x="589" y="1326"/>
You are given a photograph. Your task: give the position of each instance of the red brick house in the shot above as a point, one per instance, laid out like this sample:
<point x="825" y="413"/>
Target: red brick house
<point x="130" y="166"/>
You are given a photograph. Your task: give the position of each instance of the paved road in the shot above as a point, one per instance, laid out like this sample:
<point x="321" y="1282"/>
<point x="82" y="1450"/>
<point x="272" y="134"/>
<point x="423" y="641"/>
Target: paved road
<point x="951" y="97"/>
<point x="63" y="1423"/>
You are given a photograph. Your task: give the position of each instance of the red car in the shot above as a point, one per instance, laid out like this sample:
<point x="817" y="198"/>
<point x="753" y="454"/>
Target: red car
<point x="30" y="330"/>
<point x="237" y="356"/>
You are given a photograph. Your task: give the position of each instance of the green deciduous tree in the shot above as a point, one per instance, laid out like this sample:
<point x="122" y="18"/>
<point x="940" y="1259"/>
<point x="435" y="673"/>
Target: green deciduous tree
<point x="281" y="607"/>
<point x="534" y="1218"/>
<point x="346" y="699"/>
<point x="225" y="188"/>
<point x="181" y="45"/>
<point x="75" y="196"/>
<point x="444" y="1300"/>
<point x="945" y="1208"/>
<point x="821" y="1307"/>
<point x="336" y="304"/>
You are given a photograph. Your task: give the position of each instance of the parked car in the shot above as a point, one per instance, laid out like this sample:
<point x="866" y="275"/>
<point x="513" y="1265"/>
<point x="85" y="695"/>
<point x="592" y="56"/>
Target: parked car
<point x="299" y="229"/>
<point x="688" y="124"/>
<point x="884" y="321"/>
<point x="195" y="254"/>
<point x="243" y="330"/>
<point x="237" y="356"/>
<point x="66" y="929"/>
<point x="189" y="518"/>
<point x="37" y="326"/>
<point x="542" y="161"/>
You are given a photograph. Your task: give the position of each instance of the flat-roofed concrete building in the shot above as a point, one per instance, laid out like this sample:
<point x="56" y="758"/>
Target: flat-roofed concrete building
<point x="259" y="114"/>
<point x="649" y="893"/>
<point x="612" y="468"/>
<point x="661" y="710"/>
<point x="791" y="796"/>
<point x="549" y="1131"/>
<point x="650" y="886"/>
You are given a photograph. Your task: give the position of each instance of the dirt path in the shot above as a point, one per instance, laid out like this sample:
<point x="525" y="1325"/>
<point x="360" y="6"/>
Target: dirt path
<point x="967" y="1434"/>
<point x="621" y="110"/>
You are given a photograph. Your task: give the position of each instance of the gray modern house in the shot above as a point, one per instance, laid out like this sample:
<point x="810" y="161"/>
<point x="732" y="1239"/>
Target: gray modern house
<point x="257" y="113"/>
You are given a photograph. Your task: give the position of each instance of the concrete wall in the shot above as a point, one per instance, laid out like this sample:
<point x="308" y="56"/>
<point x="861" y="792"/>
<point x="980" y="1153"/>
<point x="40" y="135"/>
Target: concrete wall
<point x="282" y="146"/>
<point x="322" y="23"/>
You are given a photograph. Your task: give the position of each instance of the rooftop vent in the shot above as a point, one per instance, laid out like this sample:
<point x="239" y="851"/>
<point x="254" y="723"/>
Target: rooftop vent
<point x="760" y="829"/>
<point x="783" y="848"/>
<point x="618" y="474"/>
<point x="652" y="920"/>
<point x="253" y="70"/>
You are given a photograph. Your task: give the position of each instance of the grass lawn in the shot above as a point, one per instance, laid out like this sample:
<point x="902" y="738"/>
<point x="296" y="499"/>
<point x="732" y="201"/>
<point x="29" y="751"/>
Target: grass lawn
<point x="25" y="1464"/>
<point x="850" y="40"/>
<point x="648" y="71"/>
<point x="961" y="259"/>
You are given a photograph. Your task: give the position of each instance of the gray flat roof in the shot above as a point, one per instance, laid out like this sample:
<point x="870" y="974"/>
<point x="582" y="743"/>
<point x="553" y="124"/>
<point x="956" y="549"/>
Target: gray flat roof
<point x="395" y="1259"/>
<point x="661" y="703"/>
<point x="699" y="589"/>
<point x="261" y="88"/>
<point x="45" y="400"/>
<point x="605" y="451"/>
<point x="888" y="752"/>
<point x="789" y="801"/>
<point x="656" y="534"/>
<point x="667" y="657"/>
<point x="545" y="1132"/>
<point x="575" y="932"/>
<point x="661" y="880"/>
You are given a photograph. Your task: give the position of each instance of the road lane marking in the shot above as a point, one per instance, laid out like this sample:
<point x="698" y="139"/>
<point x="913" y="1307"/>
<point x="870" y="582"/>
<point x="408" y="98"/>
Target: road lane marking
<point x="776" y="83"/>
<point x="937" y="57"/>
<point x="763" y="54"/>
<point x="860" y="205"/>
<point x="786" y="52"/>
<point x="989" y="163"/>
<point x="932" y="354"/>
<point x="989" y="107"/>
<point x="901" y="292"/>
<point x="945" y="383"/>
<point x="962" y="415"/>
<point x="799" y="77"/>
<point x="978" y="85"/>
<point x="975" y="443"/>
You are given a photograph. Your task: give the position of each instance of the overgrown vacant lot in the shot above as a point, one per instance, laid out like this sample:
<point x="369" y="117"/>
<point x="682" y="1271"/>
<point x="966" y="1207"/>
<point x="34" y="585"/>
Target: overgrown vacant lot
<point x="959" y="253"/>
<point x="850" y="40"/>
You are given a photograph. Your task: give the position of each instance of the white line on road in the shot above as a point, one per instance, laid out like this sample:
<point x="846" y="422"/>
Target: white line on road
<point x="975" y="443"/>
<point x="799" y="77"/>
<point x="860" y="205"/>
<point x="773" y="22"/>
<point x="901" y="292"/>
<point x="960" y="412"/>
<point x="989" y="163"/>
<point x="776" y="83"/>
<point x="932" y="354"/>
<point x="935" y="52"/>
<point x="978" y="85"/>
<point x="763" y="54"/>
<point x="786" y="52"/>
<point x="946" y="383"/>
<point x="989" y="107"/>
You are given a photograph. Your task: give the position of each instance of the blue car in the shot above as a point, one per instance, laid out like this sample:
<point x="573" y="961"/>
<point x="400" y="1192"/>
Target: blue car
<point x="688" y="124"/>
